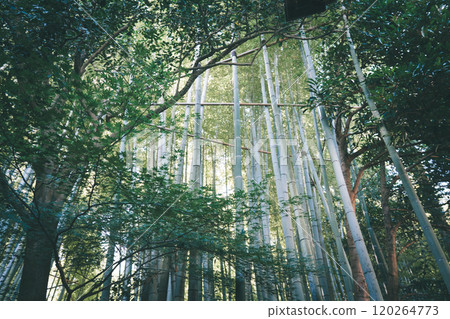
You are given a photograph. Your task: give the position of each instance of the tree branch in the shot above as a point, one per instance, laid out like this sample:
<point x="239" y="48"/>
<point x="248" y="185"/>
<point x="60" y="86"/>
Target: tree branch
<point x="405" y="247"/>
<point x="103" y="47"/>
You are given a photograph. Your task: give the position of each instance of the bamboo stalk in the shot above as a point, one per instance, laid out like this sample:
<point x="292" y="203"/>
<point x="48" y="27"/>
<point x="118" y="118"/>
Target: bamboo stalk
<point x="195" y="273"/>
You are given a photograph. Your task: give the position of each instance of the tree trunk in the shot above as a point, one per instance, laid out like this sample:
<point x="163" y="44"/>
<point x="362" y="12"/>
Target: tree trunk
<point x="223" y="280"/>
<point x="163" y="277"/>
<point x="181" y="159"/>
<point x="181" y="256"/>
<point x="37" y="263"/>
<point x="195" y="276"/>
<point x="238" y="183"/>
<point x="391" y="248"/>
<point x="254" y="224"/>
<point x="208" y="277"/>
<point x="180" y="275"/>
<point x="107" y="276"/>
<point x="126" y="285"/>
<point x="328" y="288"/>
<point x="263" y="220"/>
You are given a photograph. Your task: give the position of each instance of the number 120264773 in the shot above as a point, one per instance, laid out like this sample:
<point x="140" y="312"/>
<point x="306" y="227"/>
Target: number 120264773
<point x="405" y="310"/>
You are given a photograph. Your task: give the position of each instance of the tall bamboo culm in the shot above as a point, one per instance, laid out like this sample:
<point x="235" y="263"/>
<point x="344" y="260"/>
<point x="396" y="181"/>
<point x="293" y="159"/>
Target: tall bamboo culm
<point x="238" y="181"/>
<point x="195" y="276"/>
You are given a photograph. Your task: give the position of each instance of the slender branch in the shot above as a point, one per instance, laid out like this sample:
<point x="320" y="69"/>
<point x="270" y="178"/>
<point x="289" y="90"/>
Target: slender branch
<point x="103" y="47"/>
<point x="405" y="247"/>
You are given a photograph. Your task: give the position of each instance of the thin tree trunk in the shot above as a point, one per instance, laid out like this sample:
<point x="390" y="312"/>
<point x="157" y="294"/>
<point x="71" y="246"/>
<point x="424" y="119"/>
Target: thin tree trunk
<point x="391" y="247"/>
<point x="181" y="159"/>
<point x="107" y="277"/>
<point x="278" y="183"/>
<point x="238" y="183"/>
<point x="195" y="175"/>
<point x="163" y="160"/>
<point x="126" y="285"/>
<point x="209" y="275"/>
<point x="328" y="291"/>
<point x="223" y="280"/>
<point x="342" y="142"/>
<point x="254" y="224"/>
<point x="63" y="291"/>
<point x="163" y="278"/>
<point x="108" y="270"/>
<point x="195" y="276"/>
<point x="180" y="275"/>
<point x="195" y="282"/>
<point x="181" y="256"/>
<point x="314" y="224"/>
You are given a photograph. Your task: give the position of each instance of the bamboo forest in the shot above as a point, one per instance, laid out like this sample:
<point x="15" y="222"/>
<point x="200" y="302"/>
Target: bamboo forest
<point x="224" y="150"/>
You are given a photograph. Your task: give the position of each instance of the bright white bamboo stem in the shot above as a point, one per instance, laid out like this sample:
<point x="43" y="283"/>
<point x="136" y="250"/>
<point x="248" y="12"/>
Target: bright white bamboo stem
<point x="181" y="159"/>
<point x="196" y="154"/>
